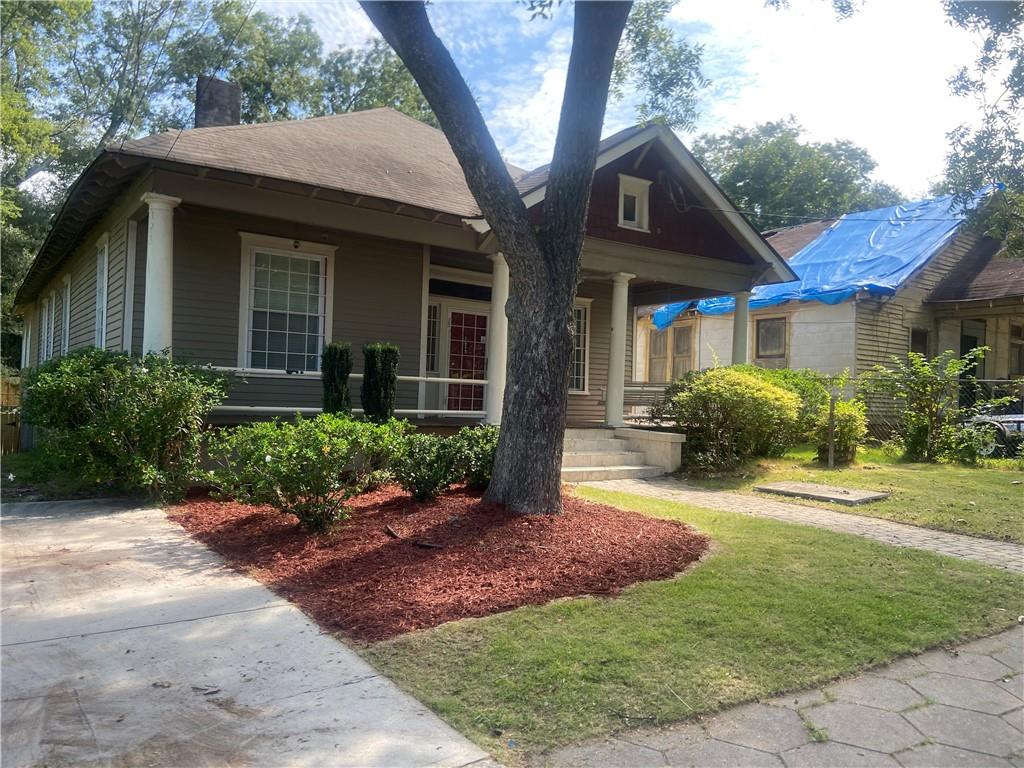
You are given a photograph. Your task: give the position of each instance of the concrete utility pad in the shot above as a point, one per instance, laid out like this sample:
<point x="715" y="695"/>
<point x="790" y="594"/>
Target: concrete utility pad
<point x="125" y="642"/>
<point x="834" y="493"/>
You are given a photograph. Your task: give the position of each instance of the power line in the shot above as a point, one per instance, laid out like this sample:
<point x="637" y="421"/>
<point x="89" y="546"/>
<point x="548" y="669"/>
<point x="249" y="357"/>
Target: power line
<point x="223" y="61"/>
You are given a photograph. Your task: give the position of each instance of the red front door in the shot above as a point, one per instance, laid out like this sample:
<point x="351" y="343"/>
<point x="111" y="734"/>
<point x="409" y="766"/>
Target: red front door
<point x="467" y="359"/>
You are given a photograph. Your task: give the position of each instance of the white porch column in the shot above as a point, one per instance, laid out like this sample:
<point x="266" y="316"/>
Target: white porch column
<point x="497" y="340"/>
<point x="740" y="321"/>
<point x="159" y="305"/>
<point x="614" y="408"/>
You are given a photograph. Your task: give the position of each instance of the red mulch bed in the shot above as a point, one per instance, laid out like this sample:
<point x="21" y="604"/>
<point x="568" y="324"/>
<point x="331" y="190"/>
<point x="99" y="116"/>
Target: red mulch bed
<point x="372" y="586"/>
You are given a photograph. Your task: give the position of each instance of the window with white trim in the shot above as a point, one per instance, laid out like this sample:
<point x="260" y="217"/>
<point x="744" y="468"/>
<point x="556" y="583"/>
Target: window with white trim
<point x="433" y="336"/>
<point x="100" y="337"/>
<point x="287" y="310"/>
<point x="46" y="327"/>
<point x="65" y="317"/>
<point x="634" y="202"/>
<point x="580" y="342"/>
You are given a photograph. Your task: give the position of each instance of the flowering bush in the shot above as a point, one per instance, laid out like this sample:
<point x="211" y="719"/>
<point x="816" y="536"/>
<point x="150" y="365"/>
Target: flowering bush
<point x="308" y="468"/>
<point x="131" y="424"/>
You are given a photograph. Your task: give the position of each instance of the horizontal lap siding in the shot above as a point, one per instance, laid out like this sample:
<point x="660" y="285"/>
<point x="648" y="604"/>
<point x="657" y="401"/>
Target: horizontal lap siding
<point x="883" y="327"/>
<point x="116" y="255"/>
<point x="590" y="407"/>
<point x="377" y="297"/>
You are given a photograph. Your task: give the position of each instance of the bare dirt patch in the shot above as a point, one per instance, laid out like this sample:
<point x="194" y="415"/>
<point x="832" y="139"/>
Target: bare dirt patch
<point x="453" y="558"/>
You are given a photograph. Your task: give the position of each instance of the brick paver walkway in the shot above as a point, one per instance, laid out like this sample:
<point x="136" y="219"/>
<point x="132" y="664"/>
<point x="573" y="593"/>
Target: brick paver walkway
<point x="956" y="708"/>
<point x="1001" y="554"/>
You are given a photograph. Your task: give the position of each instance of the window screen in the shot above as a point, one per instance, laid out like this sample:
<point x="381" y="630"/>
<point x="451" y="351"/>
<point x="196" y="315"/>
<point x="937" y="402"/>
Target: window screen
<point x="657" y="358"/>
<point x="919" y="341"/>
<point x="682" y="349"/>
<point x="578" y="373"/>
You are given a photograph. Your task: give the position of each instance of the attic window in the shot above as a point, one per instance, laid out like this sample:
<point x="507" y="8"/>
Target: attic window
<point x="634" y="199"/>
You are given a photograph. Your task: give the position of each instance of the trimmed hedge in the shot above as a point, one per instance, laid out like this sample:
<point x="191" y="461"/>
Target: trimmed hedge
<point x="335" y="367"/>
<point x="380" y="381"/>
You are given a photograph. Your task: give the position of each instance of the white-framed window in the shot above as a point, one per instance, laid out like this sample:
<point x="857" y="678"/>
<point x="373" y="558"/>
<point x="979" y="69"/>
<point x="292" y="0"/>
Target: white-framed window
<point x="102" y="273"/>
<point x="46" y="326"/>
<point x="26" y="339"/>
<point x="433" y="337"/>
<point x="1016" y="349"/>
<point x="578" y="373"/>
<point x="65" y="317"/>
<point x="634" y="203"/>
<point x="285" y="303"/>
<point x="770" y="339"/>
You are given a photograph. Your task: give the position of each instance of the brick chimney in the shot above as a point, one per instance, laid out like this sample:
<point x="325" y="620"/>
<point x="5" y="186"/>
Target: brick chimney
<point x="218" y="102"/>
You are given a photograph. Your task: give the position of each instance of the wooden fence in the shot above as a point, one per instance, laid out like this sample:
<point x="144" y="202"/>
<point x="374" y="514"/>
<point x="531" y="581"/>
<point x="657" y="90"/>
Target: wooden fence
<point x="10" y="414"/>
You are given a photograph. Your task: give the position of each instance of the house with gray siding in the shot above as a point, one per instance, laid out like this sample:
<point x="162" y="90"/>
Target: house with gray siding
<point x="249" y="247"/>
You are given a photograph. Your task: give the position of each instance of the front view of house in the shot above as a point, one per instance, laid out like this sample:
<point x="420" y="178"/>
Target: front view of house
<point x="249" y="247"/>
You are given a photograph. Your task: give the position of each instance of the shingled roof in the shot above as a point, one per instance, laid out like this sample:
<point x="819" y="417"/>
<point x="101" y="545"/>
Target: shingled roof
<point x="982" y="275"/>
<point x="377" y="152"/>
<point x="791" y="240"/>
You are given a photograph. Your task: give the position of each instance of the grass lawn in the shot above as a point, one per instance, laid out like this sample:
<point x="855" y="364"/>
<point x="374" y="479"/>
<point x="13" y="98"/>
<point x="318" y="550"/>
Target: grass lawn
<point x="978" y="501"/>
<point x="776" y="607"/>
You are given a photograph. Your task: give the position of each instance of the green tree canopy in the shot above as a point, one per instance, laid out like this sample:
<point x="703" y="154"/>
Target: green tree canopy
<point x="779" y="179"/>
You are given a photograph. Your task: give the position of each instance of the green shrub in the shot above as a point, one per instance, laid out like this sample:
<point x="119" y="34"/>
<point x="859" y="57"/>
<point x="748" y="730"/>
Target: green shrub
<point x="428" y="465"/>
<point x="380" y="381"/>
<point x="966" y="443"/>
<point x="661" y="410"/>
<point x="308" y="468"/>
<point x="132" y="424"/>
<point x="851" y="427"/>
<point x="730" y="415"/>
<point x="335" y="367"/>
<point x="809" y="385"/>
<point x="475" y="448"/>
<point x="926" y="395"/>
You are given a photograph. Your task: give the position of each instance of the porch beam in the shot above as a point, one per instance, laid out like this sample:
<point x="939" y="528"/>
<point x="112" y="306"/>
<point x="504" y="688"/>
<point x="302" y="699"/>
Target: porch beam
<point x="614" y="407"/>
<point x="497" y="340"/>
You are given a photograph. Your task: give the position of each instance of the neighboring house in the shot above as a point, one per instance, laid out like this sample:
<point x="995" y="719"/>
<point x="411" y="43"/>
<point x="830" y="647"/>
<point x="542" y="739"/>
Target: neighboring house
<point x="873" y="285"/>
<point x="249" y="247"/>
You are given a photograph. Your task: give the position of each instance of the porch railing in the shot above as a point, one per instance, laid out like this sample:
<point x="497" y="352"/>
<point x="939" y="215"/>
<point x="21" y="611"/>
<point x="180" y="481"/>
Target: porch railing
<point x="422" y="381"/>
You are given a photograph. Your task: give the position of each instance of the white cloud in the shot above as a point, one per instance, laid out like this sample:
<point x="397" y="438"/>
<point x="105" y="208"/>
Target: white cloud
<point x="878" y="78"/>
<point x="340" y="24"/>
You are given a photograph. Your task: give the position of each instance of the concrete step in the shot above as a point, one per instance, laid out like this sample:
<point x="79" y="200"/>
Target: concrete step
<point x="577" y="445"/>
<point x="594" y="433"/>
<point x="615" y="472"/>
<point x="601" y="458"/>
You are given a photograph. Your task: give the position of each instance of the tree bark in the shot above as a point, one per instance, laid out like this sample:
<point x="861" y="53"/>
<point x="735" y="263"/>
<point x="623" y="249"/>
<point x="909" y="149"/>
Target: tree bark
<point x="544" y="262"/>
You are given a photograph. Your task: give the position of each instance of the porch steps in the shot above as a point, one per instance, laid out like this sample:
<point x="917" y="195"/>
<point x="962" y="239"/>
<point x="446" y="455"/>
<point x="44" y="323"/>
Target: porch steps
<point x="596" y="454"/>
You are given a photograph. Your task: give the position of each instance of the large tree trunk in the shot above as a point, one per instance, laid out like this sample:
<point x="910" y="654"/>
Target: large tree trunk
<point x="543" y="263"/>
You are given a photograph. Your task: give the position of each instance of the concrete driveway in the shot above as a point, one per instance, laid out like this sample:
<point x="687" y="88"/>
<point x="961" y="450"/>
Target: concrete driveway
<point x="126" y="643"/>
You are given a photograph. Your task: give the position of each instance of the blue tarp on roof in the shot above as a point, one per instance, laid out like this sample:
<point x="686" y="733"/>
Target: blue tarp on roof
<point x="873" y="251"/>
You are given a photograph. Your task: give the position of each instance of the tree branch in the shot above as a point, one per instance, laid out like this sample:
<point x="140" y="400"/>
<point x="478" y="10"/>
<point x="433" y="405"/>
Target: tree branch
<point x="407" y="29"/>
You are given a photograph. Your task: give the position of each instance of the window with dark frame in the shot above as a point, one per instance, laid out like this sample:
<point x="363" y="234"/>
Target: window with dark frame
<point x="770" y="342"/>
<point x="1016" y="365"/>
<point x="919" y="341"/>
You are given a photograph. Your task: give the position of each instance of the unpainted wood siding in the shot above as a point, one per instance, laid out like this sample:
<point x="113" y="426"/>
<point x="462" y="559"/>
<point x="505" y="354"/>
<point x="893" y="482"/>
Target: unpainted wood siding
<point x="377" y="297"/>
<point x="884" y="326"/>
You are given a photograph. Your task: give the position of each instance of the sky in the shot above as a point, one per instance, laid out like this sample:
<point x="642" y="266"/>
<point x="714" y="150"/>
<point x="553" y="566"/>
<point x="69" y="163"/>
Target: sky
<point x="877" y="79"/>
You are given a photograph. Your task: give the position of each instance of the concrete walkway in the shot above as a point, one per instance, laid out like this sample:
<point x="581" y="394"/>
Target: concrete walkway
<point x="941" y="709"/>
<point x="1000" y="554"/>
<point x="127" y="643"/>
